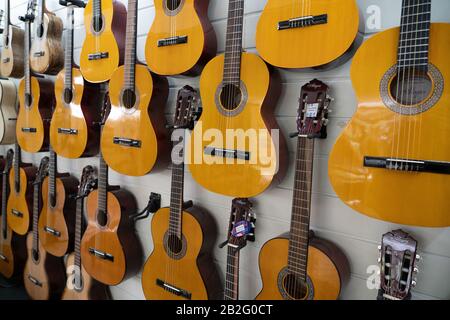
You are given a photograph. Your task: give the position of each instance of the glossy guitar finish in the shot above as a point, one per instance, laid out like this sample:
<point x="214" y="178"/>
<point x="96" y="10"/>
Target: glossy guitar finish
<point x="185" y="18"/>
<point x="110" y="39"/>
<point x="375" y="130"/>
<point x="304" y="45"/>
<point x="8" y="111"/>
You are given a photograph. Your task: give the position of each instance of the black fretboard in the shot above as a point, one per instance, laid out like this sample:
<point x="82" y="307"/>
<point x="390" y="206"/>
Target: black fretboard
<point x="68" y="56"/>
<point x="52" y="172"/>
<point x="130" y="46"/>
<point x="27" y="71"/>
<point x="232" y="274"/>
<point x="176" y="198"/>
<point x="102" y="185"/>
<point x="5" y="194"/>
<point x="36" y="208"/>
<point x="17" y="162"/>
<point x="78" y="231"/>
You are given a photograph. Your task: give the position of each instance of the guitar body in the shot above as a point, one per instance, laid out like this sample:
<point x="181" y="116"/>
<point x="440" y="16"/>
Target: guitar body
<point x="375" y="130"/>
<point x="58" y="217"/>
<point x="110" y="39"/>
<point x="144" y="122"/>
<point x="12" y="60"/>
<point x="8" y="111"/>
<point x="35" y="116"/>
<point x="116" y="238"/>
<point x="327" y="269"/>
<point x="308" y="46"/>
<point x="48" y="270"/>
<point x="189" y="19"/>
<point x="262" y="90"/>
<point x="81" y="115"/>
<point x="92" y="290"/>
<point x="21" y="201"/>
<point x="46" y="53"/>
<point x="193" y="271"/>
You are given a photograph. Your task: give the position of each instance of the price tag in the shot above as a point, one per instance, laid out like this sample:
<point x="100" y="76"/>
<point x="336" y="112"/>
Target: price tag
<point x="241" y="229"/>
<point x="311" y="110"/>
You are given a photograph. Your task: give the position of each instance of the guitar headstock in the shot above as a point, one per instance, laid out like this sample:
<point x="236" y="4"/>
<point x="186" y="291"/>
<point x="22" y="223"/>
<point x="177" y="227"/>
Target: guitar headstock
<point x="313" y="110"/>
<point x="398" y="264"/>
<point x="9" y="161"/>
<point x="188" y="109"/>
<point x="42" y="171"/>
<point x="88" y="182"/>
<point x="31" y="12"/>
<point x="242" y="224"/>
<point x="2" y="15"/>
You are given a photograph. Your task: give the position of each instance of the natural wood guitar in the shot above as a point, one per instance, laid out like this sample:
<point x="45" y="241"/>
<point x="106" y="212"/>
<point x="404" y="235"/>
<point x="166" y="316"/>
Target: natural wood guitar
<point x="81" y="286"/>
<point x="43" y="275"/>
<point x="104" y="45"/>
<point x="56" y="226"/>
<point x="46" y="53"/>
<point x="36" y="100"/>
<point x="181" y="39"/>
<point x="301" y="266"/>
<point x="12" y="246"/>
<point x="239" y="93"/>
<point x="134" y="137"/>
<point x="12" y="59"/>
<point x="394" y="155"/>
<point x="180" y="266"/>
<point x="9" y="103"/>
<point x="75" y="129"/>
<point x="307" y="33"/>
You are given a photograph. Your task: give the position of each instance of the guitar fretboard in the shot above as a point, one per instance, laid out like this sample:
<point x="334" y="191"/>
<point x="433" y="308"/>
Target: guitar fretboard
<point x="27" y="71"/>
<point x="52" y="170"/>
<point x="17" y="161"/>
<point x="176" y="197"/>
<point x="232" y="275"/>
<point x="97" y="8"/>
<point x="36" y="206"/>
<point x="130" y="46"/>
<point x="40" y="15"/>
<point x="102" y="185"/>
<point x="5" y="194"/>
<point x="68" y="58"/>
<point x="78" y="231"/>
<point x="233" y="46"/>
<point x="7" y="21"/>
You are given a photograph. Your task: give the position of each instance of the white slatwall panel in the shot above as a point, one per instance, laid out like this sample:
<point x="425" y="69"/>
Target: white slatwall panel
<point x="357" y="235"/>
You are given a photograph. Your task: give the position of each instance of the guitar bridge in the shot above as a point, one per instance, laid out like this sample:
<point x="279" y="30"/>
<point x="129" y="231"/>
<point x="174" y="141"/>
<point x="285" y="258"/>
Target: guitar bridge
<point x="172" y="289"/>
<point x="98" y="56"/>
<point x="6" y="60"/>
<point x="35" y="281"/>
<point x="53" y="232"/>
<point x="302" y="22"/>
<point x="67" y="131"/>
<point x="127" y="142"/>
<point x="407" y="165"/>
<point x="29" y="130"/>
<point x="39" y="54"/>
<point x="102" y="255"/>
<point x="3" y="258"/>
<point x="225" y="153"/>
<point x="17" y="213"/>
<point x="172" y="41"/>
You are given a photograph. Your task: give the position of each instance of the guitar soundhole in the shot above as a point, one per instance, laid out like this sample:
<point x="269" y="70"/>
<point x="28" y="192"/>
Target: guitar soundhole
<point x="411" y="88"/>
<point x="68" y="95"/>
<point x="230" y="97"/>
<point x="175" y="244"/>
<point x="40" y="30"/>
<point x="102" y="218"/>
<point x="97" y="24"/>
<point x="28" y="100"/>
<point x="173" y="4"/>
<point x="294" y="287"/>
<point x="7" y="42"/>
<point x="35" y="255"/>
<point x="129" y="98"/>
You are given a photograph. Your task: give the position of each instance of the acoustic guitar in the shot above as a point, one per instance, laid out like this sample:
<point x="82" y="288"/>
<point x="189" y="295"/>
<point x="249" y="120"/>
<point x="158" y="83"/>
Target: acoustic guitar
<point x="181" y="39"/>
<point x="9" y="103"/>
<point x="394" y="155"/>
<point x="110" y="249"/>
<point x="301" y="266"/>
<point x="12" y="246"/>
<point x="398" y="260"/>
<point x="134" y="137"/>
<point x="47" y="54"/>
<point x="241" y="229"/>
<point x="74" y="129"/>
<point x="12" y="59"/>
<point x="180" y="266"/>
<point x="307" y="33"/>
<point x="103" y="47"/>
<point x="36" y="100"/>
<point x="21" y="196"/>
<point x="43" y="275"/>
<point x="56" y="226"/>
<point x="239" y="93"/>
<point x="80" y="286"/>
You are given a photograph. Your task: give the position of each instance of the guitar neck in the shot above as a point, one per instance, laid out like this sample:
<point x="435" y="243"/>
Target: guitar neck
<point x="414" y="35"/>
<point x="36" y="206"/>
<point x="130" y="46"/>
<point x="17" y="162"/>
<point x="27" y="71"/>
<point x="97" y="8"/>
<point x="176" y="198"/>
<point x="5" y="194"/>
<point x="233" y="48"/>
<point x="78" y="231"/>
<point x="232" y="274"/>
<point x="68" y="58"/>
<point x="102" y="185"/>
<point x="52" y="171"/>
<point x="7" y="16"/>
<point x="301" y="207"/>
<point x="41" y="10"/>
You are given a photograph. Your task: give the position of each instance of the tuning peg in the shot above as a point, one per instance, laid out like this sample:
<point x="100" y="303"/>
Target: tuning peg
<point x="416" y="270"/>
<point x="379" y="248"/>
<point x="379" y="260"/>
<point x="418" y="257"/>
<point x="413" y="283"/>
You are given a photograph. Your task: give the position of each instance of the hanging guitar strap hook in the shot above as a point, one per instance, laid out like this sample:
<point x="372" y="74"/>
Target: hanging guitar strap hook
<point x="154" y="204"/>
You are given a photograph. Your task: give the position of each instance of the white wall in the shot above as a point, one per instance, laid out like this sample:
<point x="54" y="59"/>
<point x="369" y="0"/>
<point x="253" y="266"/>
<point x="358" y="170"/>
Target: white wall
<point x="357" y="235"/>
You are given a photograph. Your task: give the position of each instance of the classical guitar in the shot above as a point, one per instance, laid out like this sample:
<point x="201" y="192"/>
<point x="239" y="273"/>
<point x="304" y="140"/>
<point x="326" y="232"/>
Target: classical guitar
<point x="239" y="93"/>
<point x="46" y="53"/>
<point x="241" y="229"/>
<point x="134" y="137"/>
<point x="80" y="286"/>
<point x="181" y="266"/>
<point x="181" y="39"/>
<point x="398" y="260"/>
<point x="103" y="47"/>
<point x="308" y="33"/>
<point x="12" y="246"/>
<point x="21" y="196"/>
<point x="74" y="129"/>
<point x="12" y="59"/>
<point x="9" y="103"/>
<point x="36" y="100"/>
<point x="56" y="226"/>
<point x="43" y="275"/>
<point x="301" y="266"/>
<point x="394" y="155"/>
<point x="110" y="249"/>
